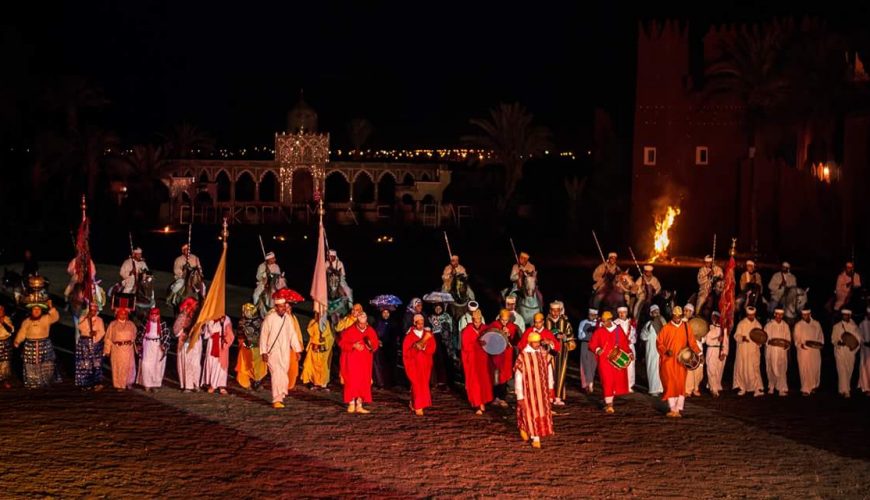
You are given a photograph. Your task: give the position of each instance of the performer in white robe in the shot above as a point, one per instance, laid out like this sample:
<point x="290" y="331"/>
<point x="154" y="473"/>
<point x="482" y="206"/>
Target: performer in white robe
<point x="776" y="358"/>
<point x="649" y="334"/>
<point x="809" y="359"/>
<point x="218" y="336"/>
<point x="130" y="269"/>
<point x="628" y="326"/>
<point x="153" y="342"/>
<point x="510" y="303"/>
<point x="280" y="338"/>
<point x="450" y="271"/>
<point x="188" y="358"/>
<point x="588" y="361"/>
<point x="717" y="354"/>
<point x="747" y="365"/>
<point x="695" y="377"/>
<point x="779" y="283"/>
<point x="844" y="356"/>
<point x="864" y="374"/>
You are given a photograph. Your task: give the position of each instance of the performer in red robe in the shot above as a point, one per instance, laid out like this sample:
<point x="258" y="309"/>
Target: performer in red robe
<point x="475" y="364"/>
<point x="357" y="344"/>
<point x="671" y="340"/>
<point x="614" y="382"/>
<point x="533" y="378"/>
<point x="502" y="365"/>
<point x="418" y="348"/>
<point x="547" y="338"/>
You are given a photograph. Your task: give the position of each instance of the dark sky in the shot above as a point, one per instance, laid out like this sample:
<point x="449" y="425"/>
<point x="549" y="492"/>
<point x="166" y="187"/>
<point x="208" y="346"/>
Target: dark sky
<point x="417" y="70"/>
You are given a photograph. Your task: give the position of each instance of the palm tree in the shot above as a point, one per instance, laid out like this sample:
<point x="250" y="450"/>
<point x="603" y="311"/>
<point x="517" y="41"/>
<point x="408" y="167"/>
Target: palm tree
<point x="753" y="70"/>
<point x="94" y="145"/>
<point x="143" y="169"/>
<point x="509" y="134"/>
<point x="359" y="130"/>
<point x="184" y="140"/>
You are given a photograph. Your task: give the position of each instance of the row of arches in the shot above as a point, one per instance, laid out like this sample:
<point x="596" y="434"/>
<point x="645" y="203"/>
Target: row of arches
<point x="338" y="189"/>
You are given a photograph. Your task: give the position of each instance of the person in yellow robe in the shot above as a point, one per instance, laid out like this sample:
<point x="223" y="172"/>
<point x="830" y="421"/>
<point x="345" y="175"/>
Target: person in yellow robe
<point x="318" y="354"/>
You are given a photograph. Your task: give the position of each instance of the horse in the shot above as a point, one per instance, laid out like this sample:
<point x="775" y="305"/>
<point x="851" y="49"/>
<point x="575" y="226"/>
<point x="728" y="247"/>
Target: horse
<point x="14" y="283"/>
<point x="142" y="296"/>
<point x="529" y="300"/>
<point x="793" y="300"/>
<point x="753" y="297"/>
<point x="462" y="295"/>
<point x="274" y="282"/>
<point x="193" y="285"/>
<point x="610" y="296"/>
<point x="711" y="303"/>
<point x="339" y="302"/>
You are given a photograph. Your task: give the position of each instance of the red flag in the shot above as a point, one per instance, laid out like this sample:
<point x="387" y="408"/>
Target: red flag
<point x="726" y="300"/>
<point x="83" y="261"/>
<point x="319" y="292"/>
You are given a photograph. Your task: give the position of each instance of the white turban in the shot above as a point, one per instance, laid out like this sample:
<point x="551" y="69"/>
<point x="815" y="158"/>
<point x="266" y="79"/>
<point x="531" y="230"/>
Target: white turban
<point x="647" y="267"/>
<point x="270" y="255"/>
<point x="473" y="306"/>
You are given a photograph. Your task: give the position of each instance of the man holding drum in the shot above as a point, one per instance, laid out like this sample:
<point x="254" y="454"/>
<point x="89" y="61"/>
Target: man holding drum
<point x="808" y="340"/>
<point x="610" y="344"/>
<point x="747" y="365"/>
<point x="672" y="344"/>
<point x="776" y="353"/>
<point x="845" y="337"/>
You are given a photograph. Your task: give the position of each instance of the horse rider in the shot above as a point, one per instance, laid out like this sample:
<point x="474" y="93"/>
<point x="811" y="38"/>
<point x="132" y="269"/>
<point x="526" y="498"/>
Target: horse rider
<point x="131" y="269"/>
<point x="336" y="266"/>
<point x="520" y="271"/>
<point x="846" y="282"/>
<point x="605" y="273"/>
<point x="451" y="271"/>
<point x="268" y="272"/>
<point x="183" y="263"/>
<point x="780" y="283"/>
<point x="647" y="287"/>
<point x="750" y="281"/>
<point x="710" y="276"/>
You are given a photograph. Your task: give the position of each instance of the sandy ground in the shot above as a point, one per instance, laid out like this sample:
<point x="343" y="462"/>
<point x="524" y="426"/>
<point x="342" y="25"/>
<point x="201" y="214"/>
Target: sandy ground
<point x="66" y="443"/>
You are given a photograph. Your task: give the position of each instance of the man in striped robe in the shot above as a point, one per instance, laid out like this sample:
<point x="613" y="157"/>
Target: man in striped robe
<point x="533" y="379"/>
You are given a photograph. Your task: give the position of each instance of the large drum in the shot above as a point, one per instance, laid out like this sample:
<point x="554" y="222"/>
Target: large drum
<point x="494" y="342"/>
<point x="812" y="344"/>
<point x="758" y="336"/>
<point x="619" y="358"/>
<point x="689" y="358"/>
<point x="699" y="327"/>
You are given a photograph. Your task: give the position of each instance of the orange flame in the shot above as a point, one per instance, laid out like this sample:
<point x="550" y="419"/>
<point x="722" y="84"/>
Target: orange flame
<point x="663" y="225"/>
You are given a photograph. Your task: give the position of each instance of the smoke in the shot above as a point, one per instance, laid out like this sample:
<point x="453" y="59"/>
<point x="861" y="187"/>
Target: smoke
<point x="672" y="194"/>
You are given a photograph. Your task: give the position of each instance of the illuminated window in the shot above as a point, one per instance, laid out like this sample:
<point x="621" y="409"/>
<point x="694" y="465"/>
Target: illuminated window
<point x="649" y="156"/>
<point x="701" y="155"/>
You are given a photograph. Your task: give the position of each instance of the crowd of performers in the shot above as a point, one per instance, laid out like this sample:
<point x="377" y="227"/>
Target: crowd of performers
<point x="424" y="348"/>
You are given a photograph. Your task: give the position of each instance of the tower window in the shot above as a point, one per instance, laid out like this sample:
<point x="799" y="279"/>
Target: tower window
<point x="649" y="156"/>
<point x="701" y="155"/>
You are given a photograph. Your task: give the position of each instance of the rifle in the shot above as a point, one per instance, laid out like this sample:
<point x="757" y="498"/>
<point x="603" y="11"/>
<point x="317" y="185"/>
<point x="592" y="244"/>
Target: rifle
<point x="133" y="262"/>
<point x="520" y="273"/>
<point x="594" y="236"/>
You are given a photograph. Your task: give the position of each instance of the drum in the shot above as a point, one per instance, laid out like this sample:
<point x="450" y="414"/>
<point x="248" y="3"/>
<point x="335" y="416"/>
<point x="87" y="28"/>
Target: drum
<point x="494" y="342"/>
<point x="781" y="343"/>
<point x="619" y="358"/>
<point x="689" y="358"/>
<point x="812" y="344"/>
<point x="699" y="327"/>
<point x="126" y="300"/>
<point x="758" y="336"/>
<point x="849" y="340"/>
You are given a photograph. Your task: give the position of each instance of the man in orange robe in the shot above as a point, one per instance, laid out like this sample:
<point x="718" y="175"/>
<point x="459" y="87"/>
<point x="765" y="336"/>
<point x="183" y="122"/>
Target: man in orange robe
<point x="673" y="338"/>
<point x="418" y="350"/>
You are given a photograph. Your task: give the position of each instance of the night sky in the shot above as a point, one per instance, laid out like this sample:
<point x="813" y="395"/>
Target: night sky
<point x="417" y="71"/>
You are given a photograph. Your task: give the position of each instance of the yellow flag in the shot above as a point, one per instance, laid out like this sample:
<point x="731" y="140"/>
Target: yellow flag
<point x="214" y="306"/>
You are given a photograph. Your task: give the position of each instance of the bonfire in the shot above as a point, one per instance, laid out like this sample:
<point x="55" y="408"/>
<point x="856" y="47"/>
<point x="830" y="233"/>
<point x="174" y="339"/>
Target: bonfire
<point x="662" y="241"/>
